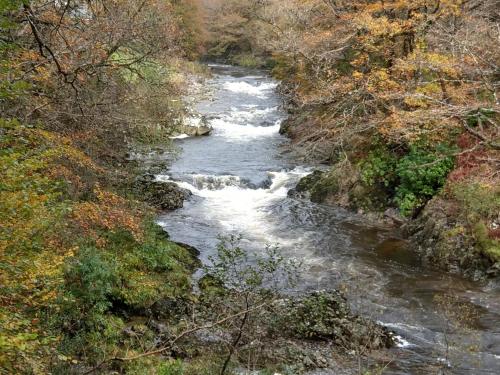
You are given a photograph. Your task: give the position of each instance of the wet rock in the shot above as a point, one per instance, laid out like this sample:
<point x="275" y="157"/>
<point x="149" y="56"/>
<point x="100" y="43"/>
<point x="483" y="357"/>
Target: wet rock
<point x="440" y="239"/>
<point x="195" y="131"/>
<point x="308" y="182"/>
<point x="193" y="251"/>
<point x="210" y="286"/>
<point x="194" y="127"/>
<point x="369" y="199"/>
<point x="394" y="215"/>
<point x="158" y="327"/>
<point x="317" y="186"/>
<point x="160" y="194"/>
<point x="326" y="315"/>
<point x="157" y="167"/>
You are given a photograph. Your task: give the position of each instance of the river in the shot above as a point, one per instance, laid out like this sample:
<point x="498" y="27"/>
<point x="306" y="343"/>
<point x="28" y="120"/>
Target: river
<point x="240" y="175"/>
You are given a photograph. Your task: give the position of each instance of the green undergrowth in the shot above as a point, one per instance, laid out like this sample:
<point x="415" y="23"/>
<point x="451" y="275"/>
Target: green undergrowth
<point x="412" y="178"/>
<point x="479" y="207"/>
<point x="249" y="60"/>
<point x="489" y="247"/>
<point x="76" y="258"/>
<point x="124" y="276"/>
<point x="387" y="177"/>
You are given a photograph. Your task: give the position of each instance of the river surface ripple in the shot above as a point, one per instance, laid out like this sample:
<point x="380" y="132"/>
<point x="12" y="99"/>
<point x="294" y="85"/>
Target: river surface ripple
<point x="240" y="176"/>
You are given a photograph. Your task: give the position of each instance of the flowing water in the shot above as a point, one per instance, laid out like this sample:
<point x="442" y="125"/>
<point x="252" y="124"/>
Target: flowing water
<point x="240" y="176"/>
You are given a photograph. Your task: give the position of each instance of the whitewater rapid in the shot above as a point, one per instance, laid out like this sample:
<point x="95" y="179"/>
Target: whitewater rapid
<point x="240" y="176"/>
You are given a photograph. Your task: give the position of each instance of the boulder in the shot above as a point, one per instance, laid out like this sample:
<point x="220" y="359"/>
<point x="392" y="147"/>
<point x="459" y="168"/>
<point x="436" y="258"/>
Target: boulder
<point x="211" y="286"/>
<point x="394" y="215"/>
<point x="194" y="127"/>
<point x="193" y="251"/>
<point x="325" y="315"/>
<point x="317" y="186"/>
<point x="170" y="308"/>
<point x="439" y="237"/>
<point x="308" y="182"/>
<point x="161" y="194"/>
<point x="195" y="131"/>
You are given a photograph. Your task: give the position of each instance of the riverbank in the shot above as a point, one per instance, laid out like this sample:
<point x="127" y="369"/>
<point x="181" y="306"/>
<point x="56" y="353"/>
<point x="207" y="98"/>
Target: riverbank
<point x="453" y="230"/>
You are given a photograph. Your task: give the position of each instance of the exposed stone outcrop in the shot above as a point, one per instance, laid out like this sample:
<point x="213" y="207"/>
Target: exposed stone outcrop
<point x="317" y="186"/>
<point x="160" y="194"/>
<point x="326" y="315"/>
<point x="193" y="127"/>
<point x="441" y="240"/>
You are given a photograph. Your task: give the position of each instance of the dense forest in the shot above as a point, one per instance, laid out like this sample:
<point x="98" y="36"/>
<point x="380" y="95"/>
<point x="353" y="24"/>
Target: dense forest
<point x="396" y="101"/>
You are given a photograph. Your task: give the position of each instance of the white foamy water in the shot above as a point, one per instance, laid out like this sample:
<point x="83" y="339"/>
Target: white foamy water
<point x="231" y="130"/>
<point x="402" y="343"/>
<point x="163" y="178"/>
<point x="228" y="202"/>
<point x="251" y="114"/>
<point x="180" y="136"/>
<point x="260" y="90"/>
<point x="201" y="181"/>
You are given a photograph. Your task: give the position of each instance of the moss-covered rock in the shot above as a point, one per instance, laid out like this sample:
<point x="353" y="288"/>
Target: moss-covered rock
<point x="211" y="286"/>
<point x="160" y="194"/>
<point x="489" y="247"/>
<point x="308" y="182"/>
<point x="317" y="186"/>
<point x="443" y="240"/>
<point x="370" y="198"/>
<point x="170" y="308"/>
<point x="326" y="315"/>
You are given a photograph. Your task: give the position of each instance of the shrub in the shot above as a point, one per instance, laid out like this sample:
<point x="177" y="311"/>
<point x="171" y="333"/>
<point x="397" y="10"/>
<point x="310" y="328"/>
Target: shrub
<point x="477" y="201"/>
<point x="125" y="276"/>
<point x="91" y="279"/>
<point x="248" y="61"/>
<point x="379" y="168"/>
<point x="421" y="174"/>
<point x="413" y="178"/>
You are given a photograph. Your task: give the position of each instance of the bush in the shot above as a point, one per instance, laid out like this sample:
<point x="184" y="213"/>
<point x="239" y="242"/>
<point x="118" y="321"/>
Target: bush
<point x="412" y="179"/>
<point x="91" y="280"/>
<point x="379" y="168"/>
<point x="477" y="201"/>
<point x="122" y="277"/>
<point x="421" y="174"/>
<point x="249" y="61"/>
<point x="129" y="273"/>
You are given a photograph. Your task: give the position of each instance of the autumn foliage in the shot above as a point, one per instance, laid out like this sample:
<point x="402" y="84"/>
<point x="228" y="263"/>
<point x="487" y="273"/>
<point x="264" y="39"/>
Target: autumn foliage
<point x="81" y="82"/>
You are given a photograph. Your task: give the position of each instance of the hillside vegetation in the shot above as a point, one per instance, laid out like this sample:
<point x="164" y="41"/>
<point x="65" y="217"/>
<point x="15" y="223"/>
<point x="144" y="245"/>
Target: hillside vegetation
<point x="81" y="84"/>
<point x="400" y="98"/>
